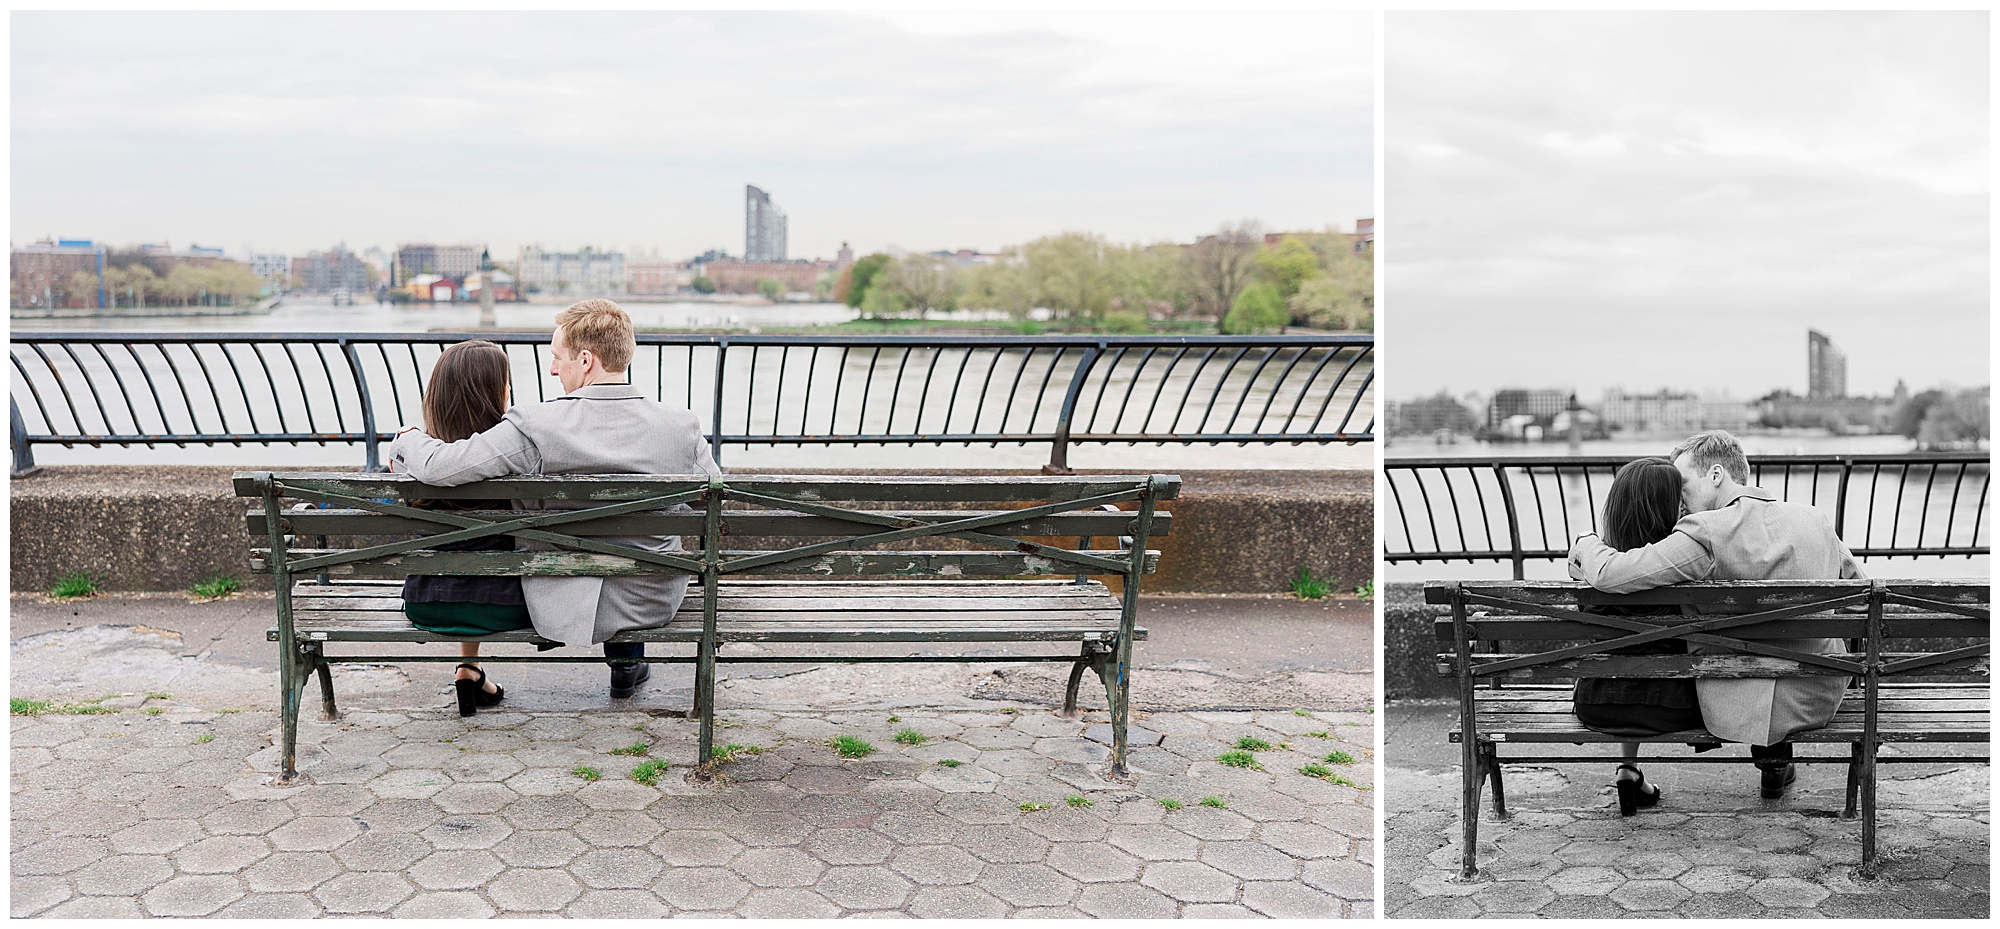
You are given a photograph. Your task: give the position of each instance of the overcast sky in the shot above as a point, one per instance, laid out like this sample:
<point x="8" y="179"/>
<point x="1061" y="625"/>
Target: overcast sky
<point x="1648" y="200"/>
<point x="293" y="131"/>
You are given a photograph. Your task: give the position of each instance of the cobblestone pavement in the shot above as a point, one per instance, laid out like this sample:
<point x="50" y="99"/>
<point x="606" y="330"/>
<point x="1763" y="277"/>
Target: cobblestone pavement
<point x="167" y="808"/>
<point x="1711" y="849"/>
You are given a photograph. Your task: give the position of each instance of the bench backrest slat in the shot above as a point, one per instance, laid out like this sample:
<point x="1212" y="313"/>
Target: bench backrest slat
<point x="612" y="487"/>
<point x="339" y="522"/>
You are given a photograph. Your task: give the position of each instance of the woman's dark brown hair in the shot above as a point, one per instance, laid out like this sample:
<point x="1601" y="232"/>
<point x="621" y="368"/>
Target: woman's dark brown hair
<point x="467" y="393"/>
<point x="1643" y="504"/>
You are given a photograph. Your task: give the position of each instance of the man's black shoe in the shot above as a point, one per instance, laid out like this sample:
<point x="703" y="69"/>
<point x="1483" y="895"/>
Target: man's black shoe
<point x="626" y="678"/>
<point x="1777" y="779"/>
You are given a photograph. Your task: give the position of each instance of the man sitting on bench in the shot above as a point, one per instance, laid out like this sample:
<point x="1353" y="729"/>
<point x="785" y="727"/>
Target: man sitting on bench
<point x="601" y="425"/>
<point x="1734" y="532"/>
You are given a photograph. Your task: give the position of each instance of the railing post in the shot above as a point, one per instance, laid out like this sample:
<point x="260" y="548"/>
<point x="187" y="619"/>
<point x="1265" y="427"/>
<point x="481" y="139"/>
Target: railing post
<point x="1520" y="556"/>
<point x="371" y="439"/>
<point x="715" y="423"/>
<point x="24" y="455"/>
<point x="1840" y="500"/>
<point x="1059" y="445"/>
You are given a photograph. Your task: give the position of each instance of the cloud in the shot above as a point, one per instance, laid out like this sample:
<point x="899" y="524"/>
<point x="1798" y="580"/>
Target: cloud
<point x="292" y="130"/>
<point x="1672" y="199"/>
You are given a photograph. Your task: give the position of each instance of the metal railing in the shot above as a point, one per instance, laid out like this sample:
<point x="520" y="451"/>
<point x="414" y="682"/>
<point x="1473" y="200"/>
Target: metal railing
<point x="139" y="388"/>
<point x="1518" y="509"/>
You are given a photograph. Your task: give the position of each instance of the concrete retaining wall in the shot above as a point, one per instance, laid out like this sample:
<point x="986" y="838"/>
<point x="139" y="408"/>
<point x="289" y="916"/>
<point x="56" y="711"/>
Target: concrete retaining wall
<point x="166" y="528"/>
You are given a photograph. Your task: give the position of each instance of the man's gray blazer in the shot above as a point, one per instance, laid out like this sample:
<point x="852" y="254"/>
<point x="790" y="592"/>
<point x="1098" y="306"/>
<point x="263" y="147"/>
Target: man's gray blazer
<point x="598" y="429"/>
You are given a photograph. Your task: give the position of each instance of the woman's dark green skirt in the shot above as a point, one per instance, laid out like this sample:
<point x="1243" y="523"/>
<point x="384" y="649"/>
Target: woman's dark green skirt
<point x="467" y="618"/>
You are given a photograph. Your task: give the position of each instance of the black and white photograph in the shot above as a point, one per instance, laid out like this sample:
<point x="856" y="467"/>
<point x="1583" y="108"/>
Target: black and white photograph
<point x="1685" y="505"/>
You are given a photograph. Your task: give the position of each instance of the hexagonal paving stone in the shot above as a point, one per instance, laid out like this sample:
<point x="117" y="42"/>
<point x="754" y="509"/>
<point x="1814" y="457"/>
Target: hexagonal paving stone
<point x="1653" y="866"/>
<point x="1250" y="861"/>
<point x="123" y="875"/>
<point x="1028" y="884"/>
<point x="699" y="847"/>
<point x="538" y="812"/>
<point x="1092" y="863"/>
<point x="226" y="854"/>
<point x="156" y="837"/>
<point x="291" y="872"/>
<point x="1154" y="843"/>
<point x="616" y="904"/>
<point x="1346" y="878"/>
<point x="448" y="905"/>
<point x="314" y="833"/>
<point x="382" y="851"/>
<point x="28" y="895"/>
<point x="1288" y="900"/>
<point x="962" y="779"/>
<point x="701" y="888"/>
<point x="849" y="846"/>
<point x="1068" y="824"/>
<point x="618" y="828"/>
<point x="1190" y="882"/>
<point x="618" y="794"/>
<point x="786" y="903"/>
<point x="777" y="867"/>
<point x="468" y="832"/>
<point x="616" y="868"/>
<point x="1715" y="879"/>
<point x="1516" y="897"/>
<point x="1788" y="892"/>
<point x="1650" y="895"/>
<point x="1125" y="901"/>
<point x="1586" y="881"/>
<point x="462" y="869"/>
<point x="936" y="864"/>
<point x="539" y="849"/>
<point x="409" y="784"/>
<point x="978" y="809"/>
<point x="540" y="890"/>
<point x="399" y="816"/>
<point x="192" y="896"/>
<point x="474" y="798"/>
<point x="1302" y="840"/>
<point x="371" y="892"/>
<point x="94" y="908"/>
<point x="865" y="888"/>
<point x="955" y="903"/>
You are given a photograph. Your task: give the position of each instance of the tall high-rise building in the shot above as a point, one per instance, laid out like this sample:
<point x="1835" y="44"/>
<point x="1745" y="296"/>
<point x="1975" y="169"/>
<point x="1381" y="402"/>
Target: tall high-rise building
<point x="763" y="227"/>
<point x="1826" y="368"/>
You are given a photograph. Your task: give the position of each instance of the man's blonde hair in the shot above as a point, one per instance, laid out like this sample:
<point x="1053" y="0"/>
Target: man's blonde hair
<point x="603" y="328"/>
<point x="1707" y="449"/>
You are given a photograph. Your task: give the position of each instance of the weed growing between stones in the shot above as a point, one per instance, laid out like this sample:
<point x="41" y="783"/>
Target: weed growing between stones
<point x="1033" y="806"/>
<point x="21" y="707"/>
<point x="1215" y="803"/>
<point x="728" y="753"/>
<point x="648" y="773"/>
<point x="74" y="586"/>
<point x="1171" y="804"/>
<point x="1240" y="759"/>
<point x="586" y="772"/>
<point x="1317" y="770"/>
<point x="204" y="738"/>
<point x="1318" y="734"/>
<point x="1308" y="586"/>
<point x="216" y="588"/>
<point x="950" y="762"/>
<point x="1253" y="744"/>
<point x="636" y="748"/>
<point x="1339" y="757"/>
<point x="909" y="736"/>
<point x="1078" y="801"/>
<point x="848" y="746"/>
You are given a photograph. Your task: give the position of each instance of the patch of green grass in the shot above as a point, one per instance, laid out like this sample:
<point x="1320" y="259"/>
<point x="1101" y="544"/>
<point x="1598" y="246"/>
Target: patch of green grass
<point x="1240" y="759"/>
<point x="71" y="586"/>
<point x="909" y="736"/>
<point x="204" y="738"/>
<point x="728" y="753"/>
<point x="1317" y="770"/>
<point x="847" y="746"/>
<point x="1301" y="712"/>
<point x="586" y="772"/>
<point x="648" y="772"/>
<point x="1318" y="734"/>
<point x="636" y="748"/>
<point x="1078" y="801"/>
<point x="1215" y="802"/>
<point x="1033" y="806"/>
<point x="19" y="707"/>
<point x="895" y="719"/>
<point x="230" y="709"/>
<point x="1010" y="709"/>
<point x="154" y="711"/>
<point x="1253" y="744"/>
<point x="1171" y="804"/>
<point x="156" y="695"/>
<point x="1309" y="586"/>
<point x="1366" y="589"/>
<point x="1339" y="757"/>
<point x="950" y="762"/>
<point x="216" y="587"/>
<point x="1344" y="782"/>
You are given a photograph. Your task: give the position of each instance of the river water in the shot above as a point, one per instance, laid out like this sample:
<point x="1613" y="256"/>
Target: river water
<point x="671" y="366"/>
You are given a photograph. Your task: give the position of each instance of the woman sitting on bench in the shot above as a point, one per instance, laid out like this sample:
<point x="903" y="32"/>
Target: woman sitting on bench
<point x="467" y="394"/>
<point x="1642" y="506"/>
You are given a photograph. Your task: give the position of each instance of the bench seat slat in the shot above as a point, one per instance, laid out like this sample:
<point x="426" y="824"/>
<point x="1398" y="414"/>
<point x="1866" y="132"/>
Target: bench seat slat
<point x="742" y="603"/>
<point x="1715" y="666"/>
<point x="1523" y="628"/>
<point x="817" y="488"/>
<point x="735" y="523"/>
<point x="583" y="564"/>
<point x="1720" y="593"/>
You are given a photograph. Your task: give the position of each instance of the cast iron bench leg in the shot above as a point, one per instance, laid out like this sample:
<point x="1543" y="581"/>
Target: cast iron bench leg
<point x="1469" y="814"/>
<point x="1075" y="680"/>
<point x="1853" y="779"/>
<point x="325" y="683"/>
<point x="1489" y="764"/>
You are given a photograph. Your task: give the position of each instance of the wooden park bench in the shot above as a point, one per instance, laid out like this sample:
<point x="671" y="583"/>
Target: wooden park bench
<point x="1516" y="647"/>
<point x="838" y="589"/>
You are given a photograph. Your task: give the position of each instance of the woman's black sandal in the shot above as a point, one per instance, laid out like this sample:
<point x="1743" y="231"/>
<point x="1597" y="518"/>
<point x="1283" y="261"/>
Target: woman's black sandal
<point x="1632" y="794"/>
<point x="472" y="693"/>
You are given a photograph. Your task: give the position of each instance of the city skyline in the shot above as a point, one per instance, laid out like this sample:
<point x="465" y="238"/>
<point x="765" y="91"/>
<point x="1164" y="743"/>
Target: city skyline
<point x="288" y="132"/>
<point x="1674" y="198"/>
